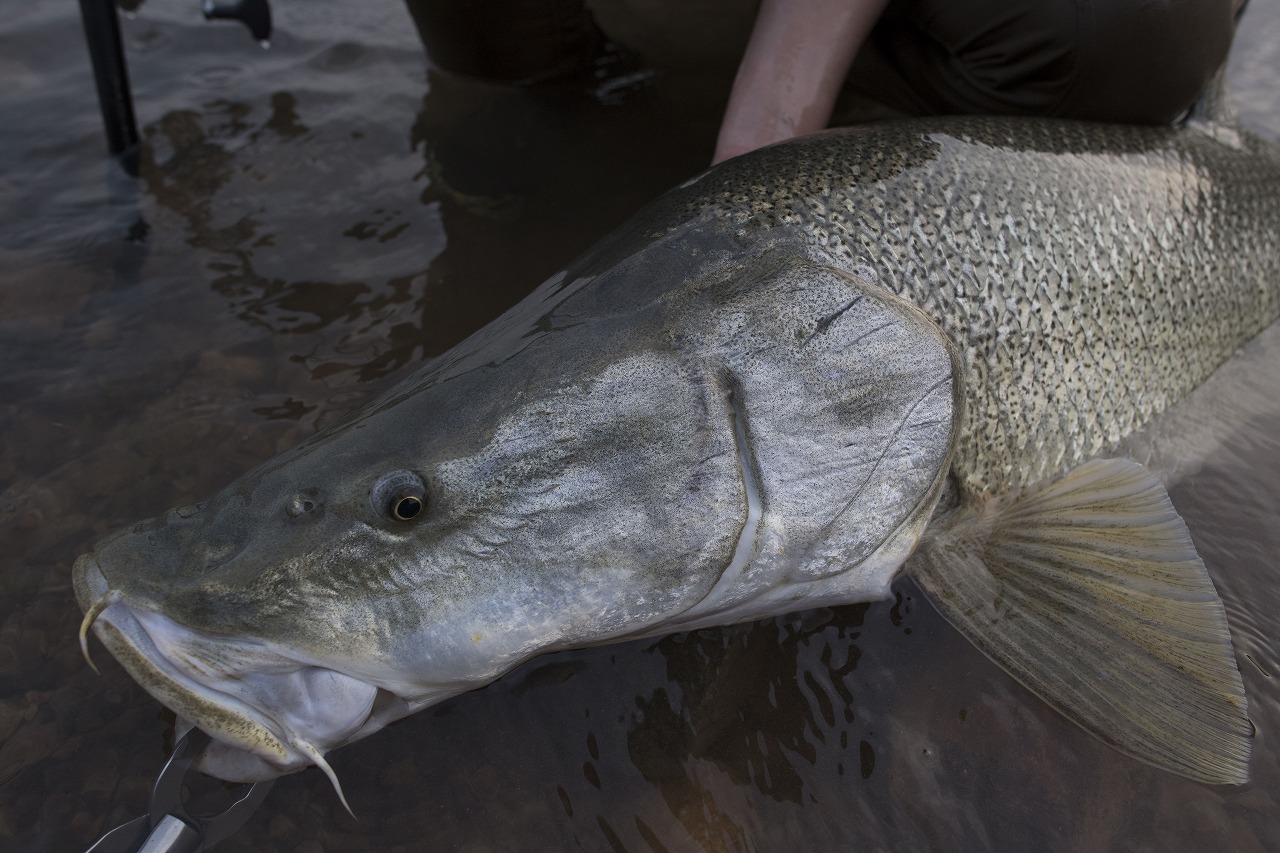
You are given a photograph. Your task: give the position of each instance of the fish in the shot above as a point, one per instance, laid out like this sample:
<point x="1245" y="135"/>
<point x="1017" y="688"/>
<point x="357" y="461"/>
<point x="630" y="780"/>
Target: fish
<point x="903" y="347"/>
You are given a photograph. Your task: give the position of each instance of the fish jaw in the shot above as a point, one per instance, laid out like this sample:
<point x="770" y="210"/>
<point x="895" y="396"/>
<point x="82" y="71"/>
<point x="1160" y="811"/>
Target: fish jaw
<point x="267" y="713"/>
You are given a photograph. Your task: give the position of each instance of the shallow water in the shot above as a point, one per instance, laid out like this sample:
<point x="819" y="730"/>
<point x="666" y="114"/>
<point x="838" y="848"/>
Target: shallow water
<point x="313" y="221"/>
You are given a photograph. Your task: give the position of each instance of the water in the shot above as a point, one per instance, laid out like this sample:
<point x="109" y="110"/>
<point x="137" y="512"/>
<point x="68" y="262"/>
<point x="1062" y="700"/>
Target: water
<point x="313" y="221"/>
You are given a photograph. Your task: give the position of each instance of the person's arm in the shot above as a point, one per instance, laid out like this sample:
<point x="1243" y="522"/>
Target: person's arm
<point x="792" y="70"/>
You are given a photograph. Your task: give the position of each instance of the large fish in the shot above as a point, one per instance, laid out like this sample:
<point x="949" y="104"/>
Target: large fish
<point x="901" y="345"/>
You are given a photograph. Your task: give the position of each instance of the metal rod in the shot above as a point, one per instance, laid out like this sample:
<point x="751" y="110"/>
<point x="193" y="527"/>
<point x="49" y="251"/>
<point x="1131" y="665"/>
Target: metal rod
<point x="106" y="51"/>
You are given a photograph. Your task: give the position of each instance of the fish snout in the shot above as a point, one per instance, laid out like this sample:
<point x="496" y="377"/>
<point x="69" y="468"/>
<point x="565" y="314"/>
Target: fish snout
<point x="88" y="581"/>
<point x="144" y="561"/>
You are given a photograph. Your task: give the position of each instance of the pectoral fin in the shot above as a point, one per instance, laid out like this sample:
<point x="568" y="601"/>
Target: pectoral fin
<point x="1089" y="591"/>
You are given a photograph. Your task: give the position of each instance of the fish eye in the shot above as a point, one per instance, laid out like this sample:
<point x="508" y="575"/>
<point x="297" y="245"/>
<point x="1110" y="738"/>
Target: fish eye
<point x="399" y="496"/>
<point x="406" y="506"/>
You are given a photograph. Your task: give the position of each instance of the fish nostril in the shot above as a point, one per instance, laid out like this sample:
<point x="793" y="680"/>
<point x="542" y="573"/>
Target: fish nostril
<point x="303" y="503"/>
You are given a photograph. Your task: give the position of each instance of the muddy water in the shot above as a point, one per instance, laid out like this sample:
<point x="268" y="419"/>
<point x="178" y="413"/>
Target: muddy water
<point x="313" y="221"/>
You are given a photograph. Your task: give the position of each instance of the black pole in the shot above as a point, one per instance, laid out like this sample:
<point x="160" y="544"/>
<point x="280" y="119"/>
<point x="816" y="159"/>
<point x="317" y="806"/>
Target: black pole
<point x="102" y="30"/>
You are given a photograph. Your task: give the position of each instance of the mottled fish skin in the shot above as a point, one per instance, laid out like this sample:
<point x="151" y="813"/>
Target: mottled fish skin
<point x="1090" y="274"/>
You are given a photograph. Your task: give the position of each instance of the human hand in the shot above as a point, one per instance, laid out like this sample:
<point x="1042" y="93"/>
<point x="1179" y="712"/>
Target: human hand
<point x="792" y="70"/>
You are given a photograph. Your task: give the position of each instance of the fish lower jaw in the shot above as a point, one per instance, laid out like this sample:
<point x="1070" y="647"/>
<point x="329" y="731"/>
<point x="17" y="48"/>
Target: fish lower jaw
<point x="230" y="723"/>
<point x="262" y="724"/>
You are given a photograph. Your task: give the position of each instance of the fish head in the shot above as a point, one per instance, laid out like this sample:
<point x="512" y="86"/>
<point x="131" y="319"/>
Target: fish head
<point x="620" y="468"/>
<point x="262" y="615"/>
<point x="415" y="551"/>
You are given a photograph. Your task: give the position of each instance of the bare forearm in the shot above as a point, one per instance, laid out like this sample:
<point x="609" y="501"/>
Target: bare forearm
<point x="792" y="71"/>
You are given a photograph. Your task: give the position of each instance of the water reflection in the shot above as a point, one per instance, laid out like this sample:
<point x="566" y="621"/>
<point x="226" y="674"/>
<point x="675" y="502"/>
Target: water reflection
<point x="495" y="172"/>
<point x="193" y="157"/>
<point x="750" y="700"/>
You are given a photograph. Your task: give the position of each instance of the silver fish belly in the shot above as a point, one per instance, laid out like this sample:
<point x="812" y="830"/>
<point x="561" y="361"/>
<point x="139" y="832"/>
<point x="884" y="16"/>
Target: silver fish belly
<point x="772" y="389"/>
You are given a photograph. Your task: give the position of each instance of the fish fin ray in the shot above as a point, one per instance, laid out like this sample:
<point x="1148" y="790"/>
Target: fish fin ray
<point x="1089" y="592"/>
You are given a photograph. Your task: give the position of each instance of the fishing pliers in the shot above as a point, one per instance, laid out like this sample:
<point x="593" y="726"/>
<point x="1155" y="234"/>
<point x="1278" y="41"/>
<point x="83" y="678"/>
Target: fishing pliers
<point x="168" y="827"/>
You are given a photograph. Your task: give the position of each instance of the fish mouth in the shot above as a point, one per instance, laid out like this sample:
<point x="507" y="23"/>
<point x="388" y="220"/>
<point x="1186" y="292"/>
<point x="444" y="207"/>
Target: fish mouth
<point x="267" y="712"/>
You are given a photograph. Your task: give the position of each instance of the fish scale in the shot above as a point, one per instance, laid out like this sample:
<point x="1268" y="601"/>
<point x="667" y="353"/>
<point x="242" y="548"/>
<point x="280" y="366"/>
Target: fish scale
<point x="1084" y="302"/>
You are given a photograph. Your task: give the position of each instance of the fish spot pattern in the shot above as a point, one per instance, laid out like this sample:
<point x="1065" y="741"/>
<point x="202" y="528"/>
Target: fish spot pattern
<point x="1119" y="267"/>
